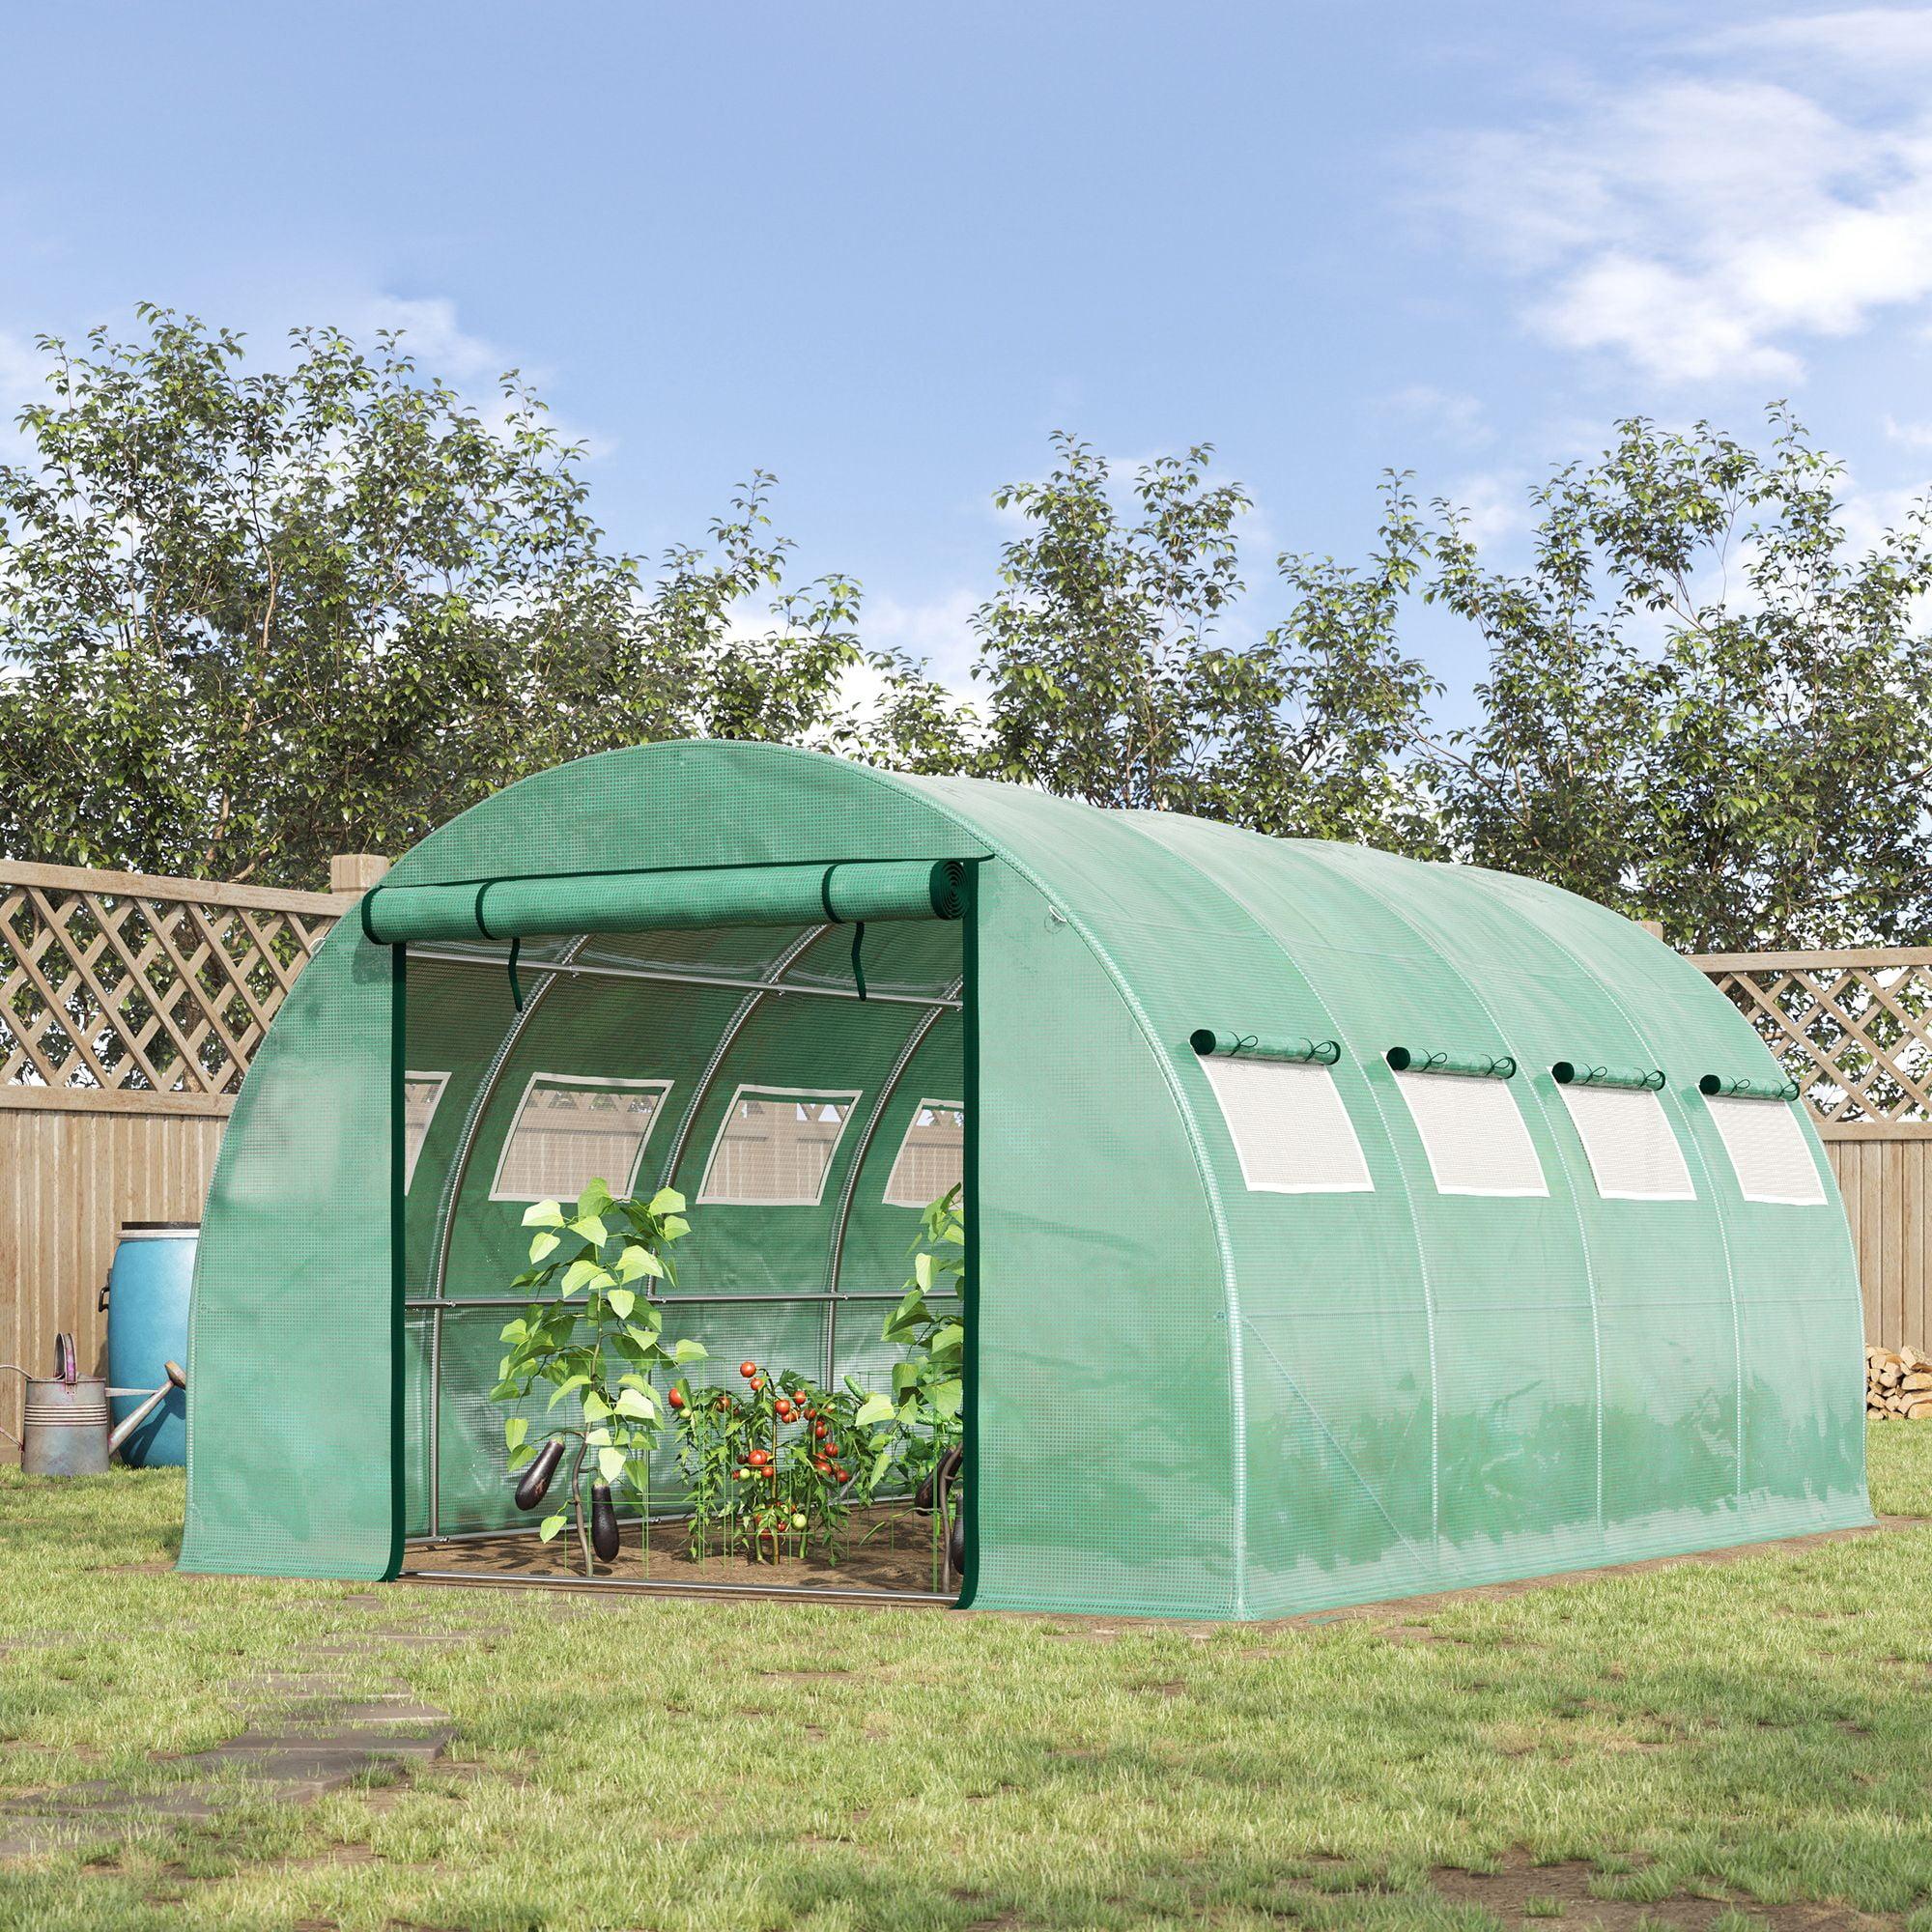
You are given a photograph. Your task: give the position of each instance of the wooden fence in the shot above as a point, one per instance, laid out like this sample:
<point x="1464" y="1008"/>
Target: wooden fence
<point x="1854" y="1029"/>
<point x="130" y="1008"/>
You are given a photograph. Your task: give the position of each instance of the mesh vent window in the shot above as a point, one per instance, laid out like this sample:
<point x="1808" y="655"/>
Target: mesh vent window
<point x="1290" y="1131"/>
<point x="1633" y="1155"/>
<point x="421" y="1094"/>
<point x="776" y="1147"/>
<point x="1473" y="1134"/>
<point x="1768" y="1149"/>
<point x="573" y="1129"/>
<point x="931" y="1158"/>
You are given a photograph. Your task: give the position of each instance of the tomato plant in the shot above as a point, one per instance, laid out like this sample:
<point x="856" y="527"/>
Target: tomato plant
<point x="595" y="1335"/>
<point x="760" y="1480"/>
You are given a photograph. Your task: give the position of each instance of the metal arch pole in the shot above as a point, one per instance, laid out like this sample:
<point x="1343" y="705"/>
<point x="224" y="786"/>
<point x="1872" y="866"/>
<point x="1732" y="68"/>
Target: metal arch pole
<point x="835" y="1256"/>
<point x="754" y="993"/>
<point x="446" y="1221"/>
<point x="656" y="976"/>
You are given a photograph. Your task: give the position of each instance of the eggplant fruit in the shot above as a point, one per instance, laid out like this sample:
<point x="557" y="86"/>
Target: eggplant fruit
<point x="602" y="1523"/>
<point x="955" y="1546"/>
<point x="537" y="1479"/>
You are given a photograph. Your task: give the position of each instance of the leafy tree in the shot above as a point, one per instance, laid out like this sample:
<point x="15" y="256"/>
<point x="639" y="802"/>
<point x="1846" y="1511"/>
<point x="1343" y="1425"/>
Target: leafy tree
<point x="1702" y="706"/>
<point x="1108" y="681"/>
<point x="258" y="616"/>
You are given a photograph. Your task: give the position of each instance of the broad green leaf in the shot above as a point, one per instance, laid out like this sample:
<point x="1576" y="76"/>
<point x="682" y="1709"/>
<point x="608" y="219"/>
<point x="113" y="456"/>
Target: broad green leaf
<point x="515" y="1430"/>
<point x="622" y="1300"/>
<point x="666" y="1201"/>
<point x="945" y="1397"/>
<point x="922" y="1269"/>
<point x="875" y="1408"/>
<point x="592" y="1229"/>
<point x="563" y="1389"/>
<point x="551" y="1525"/>
<point x="635" y="1401"/>
<point x="542" y="1245"/>
<point x="684" y="1349"/>
<point x="609" y="1464"/>
<point x="595" y="1407"/>
<point x="675" y="1227"/>
<point x="544" y="1214"/>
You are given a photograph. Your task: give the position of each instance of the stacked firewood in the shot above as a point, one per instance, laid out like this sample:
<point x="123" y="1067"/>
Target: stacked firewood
<point x="1899" y="1381"/>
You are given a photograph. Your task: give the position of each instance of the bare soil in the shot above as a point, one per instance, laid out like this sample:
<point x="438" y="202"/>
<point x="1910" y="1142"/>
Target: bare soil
<point x="885" y="1550"/>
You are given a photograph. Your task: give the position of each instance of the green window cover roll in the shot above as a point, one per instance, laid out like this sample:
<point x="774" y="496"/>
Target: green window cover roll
<point x="1572" y="1073"/>
<point x="849" y="894"/>
<point x="1255" y="1047"/>
<point x="1748" y="1089"/>
<point x="1471" y="1066"/>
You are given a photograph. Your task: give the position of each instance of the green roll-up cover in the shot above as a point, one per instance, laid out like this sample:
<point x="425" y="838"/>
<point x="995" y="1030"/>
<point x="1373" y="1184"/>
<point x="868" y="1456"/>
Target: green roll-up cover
<point x="1256" y="1046"/>
<point x="1574" y="1073"/>
<point x="1748" y="1089"/>
<point x="1471" y="1066"/>
<point x="847" y="894"/>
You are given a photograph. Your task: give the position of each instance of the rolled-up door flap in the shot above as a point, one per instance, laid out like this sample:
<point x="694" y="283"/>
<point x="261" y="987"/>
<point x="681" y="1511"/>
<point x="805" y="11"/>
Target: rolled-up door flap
<point x="848" y="892"/>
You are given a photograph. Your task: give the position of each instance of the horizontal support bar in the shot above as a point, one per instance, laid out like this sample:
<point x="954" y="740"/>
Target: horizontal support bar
<point x="114" y="1101"/>
<point x="682" y="1301"/>
<point x="1572" y="1073"/>
<point x="1469" y="1066"/>
<point x="1744" y="1088"/>
<point x="1206" y="1041"/>
<point x="485" y="1580"/>
<point x="499" y="961"/>
<point x="844" y="892"/>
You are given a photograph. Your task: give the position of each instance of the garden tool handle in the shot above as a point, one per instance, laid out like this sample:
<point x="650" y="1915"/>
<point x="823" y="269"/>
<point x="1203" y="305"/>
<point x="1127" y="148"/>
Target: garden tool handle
<point x="135" y="1417"/>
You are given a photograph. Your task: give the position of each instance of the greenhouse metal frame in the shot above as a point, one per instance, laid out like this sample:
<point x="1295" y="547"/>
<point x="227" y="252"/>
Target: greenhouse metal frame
<point x="1340" y="1226"/>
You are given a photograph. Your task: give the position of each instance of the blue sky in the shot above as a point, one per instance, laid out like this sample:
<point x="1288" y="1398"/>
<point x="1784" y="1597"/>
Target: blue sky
<point x="883" y="250"/>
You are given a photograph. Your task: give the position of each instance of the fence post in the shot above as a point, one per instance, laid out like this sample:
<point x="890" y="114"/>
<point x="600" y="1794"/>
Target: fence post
<point x="350" y="874"/>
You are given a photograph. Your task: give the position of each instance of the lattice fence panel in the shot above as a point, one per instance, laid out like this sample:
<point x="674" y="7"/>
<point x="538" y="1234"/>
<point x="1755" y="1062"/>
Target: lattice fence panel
<point x="1854" y="1030"/>
<point x="112" y="984"/>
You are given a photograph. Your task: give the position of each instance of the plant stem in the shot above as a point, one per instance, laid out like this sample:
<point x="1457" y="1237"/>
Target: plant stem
<point x="577" y="1503"/>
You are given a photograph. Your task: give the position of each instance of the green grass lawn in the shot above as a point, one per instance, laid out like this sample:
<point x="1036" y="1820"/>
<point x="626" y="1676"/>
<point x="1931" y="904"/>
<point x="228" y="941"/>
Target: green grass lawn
<point x="1756" y="1730"/>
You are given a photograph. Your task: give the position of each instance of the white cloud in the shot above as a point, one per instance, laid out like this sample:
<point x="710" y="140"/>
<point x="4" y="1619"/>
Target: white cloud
<point x="1703" y="224"/>
<point x="939" y="630"/>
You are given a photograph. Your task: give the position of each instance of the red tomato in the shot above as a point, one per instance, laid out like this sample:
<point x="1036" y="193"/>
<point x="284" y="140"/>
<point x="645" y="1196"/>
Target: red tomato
<point x="748" y="1369"/>
<point x="818" y="1431"/>
<point x="832" y="1448"/>
<point x="842" y="1476"/>
<point x="723" y="1402"/>
<point x="675" y="1400"/>
<point x="758" y="1458"/>
<point x="757" y="1384"/>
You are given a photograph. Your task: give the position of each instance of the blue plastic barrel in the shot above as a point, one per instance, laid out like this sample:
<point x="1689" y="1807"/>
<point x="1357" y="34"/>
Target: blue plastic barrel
<point x="146" y="1328"/>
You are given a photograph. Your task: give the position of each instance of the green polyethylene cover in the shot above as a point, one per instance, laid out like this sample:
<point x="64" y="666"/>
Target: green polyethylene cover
<point x="1249" y="1335"/>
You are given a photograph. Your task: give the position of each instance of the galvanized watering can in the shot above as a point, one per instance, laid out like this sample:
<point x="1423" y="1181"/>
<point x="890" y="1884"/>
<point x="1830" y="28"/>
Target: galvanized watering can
<point x="64" y="1431"/>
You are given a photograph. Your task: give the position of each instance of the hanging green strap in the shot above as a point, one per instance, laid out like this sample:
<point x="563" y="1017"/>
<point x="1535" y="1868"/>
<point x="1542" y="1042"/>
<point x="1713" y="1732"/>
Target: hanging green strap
<point x="516" y="987"/>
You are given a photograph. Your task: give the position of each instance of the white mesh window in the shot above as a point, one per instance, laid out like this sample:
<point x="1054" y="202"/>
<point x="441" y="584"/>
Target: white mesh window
<point x="1473" y="1134"/>
<point x="1633" y="1155"/>
<point x="421" y="1094"/>
<point x="776" y="1145"/>
<point x="573" y="1129"/>
<point x="1291" y="1133"/>
<point x="931" y="1158"/>
<point x="1768" y="1149"/>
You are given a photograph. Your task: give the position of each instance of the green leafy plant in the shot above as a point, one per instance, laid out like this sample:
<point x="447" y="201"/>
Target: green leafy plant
<point x="918" y="1432"/>
<point x="595" y="1337"/>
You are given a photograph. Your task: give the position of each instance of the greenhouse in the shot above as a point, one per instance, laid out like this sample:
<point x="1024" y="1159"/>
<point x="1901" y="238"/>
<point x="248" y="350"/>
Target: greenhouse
<point x="1335" y="1227"/>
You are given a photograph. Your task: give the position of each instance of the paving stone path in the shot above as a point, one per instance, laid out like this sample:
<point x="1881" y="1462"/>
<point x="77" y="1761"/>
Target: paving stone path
<point x="306" y="1734"/>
